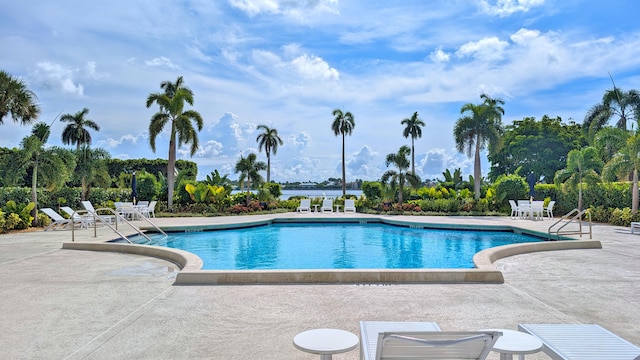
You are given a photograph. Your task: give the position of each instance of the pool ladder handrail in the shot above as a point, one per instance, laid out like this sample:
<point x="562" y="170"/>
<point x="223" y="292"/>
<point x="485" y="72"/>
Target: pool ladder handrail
<point x="118" y="217"/>
<point x="572" y="216"/>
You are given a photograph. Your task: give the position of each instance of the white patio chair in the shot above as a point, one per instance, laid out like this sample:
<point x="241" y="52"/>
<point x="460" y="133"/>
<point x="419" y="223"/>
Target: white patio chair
<point x="537" y="210"/>
<point x="85" y="217"/>
<point x="327" y="205"/>
<point x="439" y="345"/>
<point x="350" y="205"/>
<point x="549" y="209"/>
<point x="581" y="342"/>
<point x="305" y="206"/>
<point x="152" y="208"/>
<point x="87" y="205"/>
<point x="369" y="331"/>
<point x="524" y="207"/>
<point x="515" y="212"/>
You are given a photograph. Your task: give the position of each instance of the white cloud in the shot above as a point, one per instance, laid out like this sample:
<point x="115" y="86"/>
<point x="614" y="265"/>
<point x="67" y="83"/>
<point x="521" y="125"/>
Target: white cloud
<point x="111" y="143"/>
<point x="161" y="62"/>
<point x="56" y="77"/>
<point x="363" y="163"/>
<point x="490" y="48"/>
<point x="439" y="56"/>
<point x="296" y="9"/>
<point x="504" y="8"/>
<point x="231" y="135"/>
<point x="300" y="140"/>
<point x="313" y="67"/>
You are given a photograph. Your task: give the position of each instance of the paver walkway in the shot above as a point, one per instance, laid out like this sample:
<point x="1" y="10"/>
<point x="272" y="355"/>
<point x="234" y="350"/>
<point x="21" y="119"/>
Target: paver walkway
<point x="66" y="304"/>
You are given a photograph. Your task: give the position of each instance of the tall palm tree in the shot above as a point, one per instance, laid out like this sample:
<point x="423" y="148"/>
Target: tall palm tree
<point x="626" y="161"/>
<point x="16" y="99"/>
<point x="481" y="127"/>
<point x="401" y="176"/>
<point x="53" y="166"/>
<point x="625" y="105"/>
<point x="76" y="131"/>
<point x="171" y="103"/>
<point x="269" y="141"/>
<point x="249" y="169"/>
<point x="343" y="124"/>
<point x="414" y="129"/>
<point x="581" y="168"/>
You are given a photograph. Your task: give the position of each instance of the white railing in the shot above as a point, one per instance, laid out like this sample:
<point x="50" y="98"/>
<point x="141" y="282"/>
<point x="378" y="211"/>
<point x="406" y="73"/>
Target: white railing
<point x="95" y="217"/>
<point x="573" y="216"/>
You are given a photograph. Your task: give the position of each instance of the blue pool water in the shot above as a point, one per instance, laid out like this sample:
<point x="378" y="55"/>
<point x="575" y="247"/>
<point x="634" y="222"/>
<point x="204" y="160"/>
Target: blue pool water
<point x="336" y="246"/>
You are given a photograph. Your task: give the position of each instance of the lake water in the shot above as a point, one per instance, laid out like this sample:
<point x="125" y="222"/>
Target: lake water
<point x="313" y="193"/>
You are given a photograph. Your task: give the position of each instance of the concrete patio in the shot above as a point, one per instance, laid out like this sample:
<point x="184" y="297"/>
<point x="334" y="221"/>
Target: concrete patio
<point x="69" y="304"/>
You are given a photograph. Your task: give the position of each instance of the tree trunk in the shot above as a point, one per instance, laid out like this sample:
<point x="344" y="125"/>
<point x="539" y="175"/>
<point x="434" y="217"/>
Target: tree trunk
<point x="401" y="191"/>
<point x="344" y="176"/>
<point x="634" y="195"/>
<point x="476" y="171"/>
<point x="268" y="167"/>
<point x="248" y="190"/>
<point x="580" y="196"/>
<point x="83" y="188"/>
<point x="34" y="196"/>
<point x="171" y="166"/>
<point x="413" y="158"/>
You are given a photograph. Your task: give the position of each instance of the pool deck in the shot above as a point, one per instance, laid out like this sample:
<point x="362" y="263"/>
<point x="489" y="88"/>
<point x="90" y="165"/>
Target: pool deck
<point x="66" y="304"/>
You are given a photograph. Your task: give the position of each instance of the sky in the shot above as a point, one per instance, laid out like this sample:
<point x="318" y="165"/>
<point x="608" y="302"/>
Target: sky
<point x="288" y="64"/>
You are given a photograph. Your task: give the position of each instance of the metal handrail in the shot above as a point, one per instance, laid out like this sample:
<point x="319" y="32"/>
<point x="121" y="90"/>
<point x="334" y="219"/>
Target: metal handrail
<point x="571" y="218"/>
<point x="141" y="216"/>
<point x="118" y="217"/>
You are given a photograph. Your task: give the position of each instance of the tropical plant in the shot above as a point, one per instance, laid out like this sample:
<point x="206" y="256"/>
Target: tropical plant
<point x="625" y="105"/>
<point x="626" y="161"/>
<point x="53" y="166"/>
<point x="581" y="168"/>
<point x="269" y="141"/>
<point x="401" y="176"/>
<point x="171" y="103"/>
<point x="414" y="129"/>
<point x="16" y="99"/>
<point x="76" y="132"/>
<point x="481" y="126"/>
<point x="91" y="169"/>
<point x="249" y="169"/>
<point x="343" y="124"/>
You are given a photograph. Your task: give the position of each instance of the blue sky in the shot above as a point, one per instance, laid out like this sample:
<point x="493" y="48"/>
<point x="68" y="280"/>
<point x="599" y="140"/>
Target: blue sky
<point x="288" y="64"/>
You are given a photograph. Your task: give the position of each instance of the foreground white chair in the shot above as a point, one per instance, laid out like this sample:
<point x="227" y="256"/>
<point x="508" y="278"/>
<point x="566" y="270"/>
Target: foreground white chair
<point x="436" y="345"/>
<point x="87" y="205"/>
<point x="350" y="206"/>
<point x="327" y="206"/>
<point x="305" y="206"/>
<point x="581" y="342"/>
<point x="58" y="221"/>
<point x="369" y="331"/>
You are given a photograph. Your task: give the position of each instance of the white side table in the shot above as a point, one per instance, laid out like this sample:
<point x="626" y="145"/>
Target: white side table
<point x="325" y="342"/>
<point x="514" y="342"/>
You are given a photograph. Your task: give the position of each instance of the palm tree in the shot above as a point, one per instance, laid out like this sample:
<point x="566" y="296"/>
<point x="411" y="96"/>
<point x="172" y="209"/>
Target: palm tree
<point x="76" y="131"/>
<point x="581" y="168"/>
<point x="401" y="176"/>
<point x="91" y="168"/>
<point x="626" y="161"/>
<point x="53" y="166"/>
<point x="473" y="132"/>
<point x="343" y="124"/>
<point x="249" y="169"/>
<point x="171" y="103"/>
<point x="625" y="105"/>
<point x="269" y="141"/>
<point x="16" y="99"/>
<point x="414" y="128"/>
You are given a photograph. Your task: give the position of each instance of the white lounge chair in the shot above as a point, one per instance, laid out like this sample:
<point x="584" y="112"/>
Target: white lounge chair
<point x="81" y="215"/>
<point x="581" y="342"/>
<point x="327" y="205"/>
<point x="58" y="221"/>
<point x="87" y="205"/>
<point x="369" y="331"/>
<point x="436" y="345"/>
<point x="305" y="206"/>
<point x="349" y="206"/>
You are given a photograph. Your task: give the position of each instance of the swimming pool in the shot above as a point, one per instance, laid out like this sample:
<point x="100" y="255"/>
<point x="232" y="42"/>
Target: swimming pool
<point x="308" y="246"/>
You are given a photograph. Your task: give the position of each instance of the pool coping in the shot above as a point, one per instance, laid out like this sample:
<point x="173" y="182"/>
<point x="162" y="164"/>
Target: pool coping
<point x="485" y="272"/>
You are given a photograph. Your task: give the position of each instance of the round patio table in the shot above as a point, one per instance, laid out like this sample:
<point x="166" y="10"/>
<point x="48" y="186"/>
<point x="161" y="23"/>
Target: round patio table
<point x="325" y="342"/>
